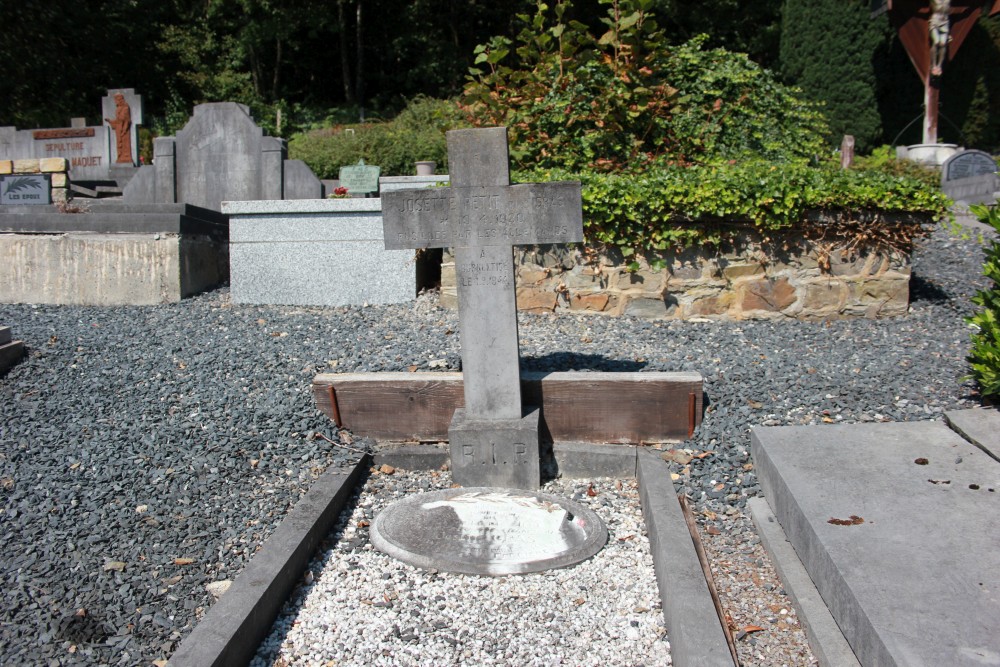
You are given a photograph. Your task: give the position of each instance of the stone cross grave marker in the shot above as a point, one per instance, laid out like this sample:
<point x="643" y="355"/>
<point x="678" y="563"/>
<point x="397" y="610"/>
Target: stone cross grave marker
<point x="493" y="439"/>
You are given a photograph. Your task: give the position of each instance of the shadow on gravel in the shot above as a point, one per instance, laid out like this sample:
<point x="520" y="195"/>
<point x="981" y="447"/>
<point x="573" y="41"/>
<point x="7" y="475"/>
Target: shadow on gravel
<point x="922" y="289"/>
<point x="574" y="361"/>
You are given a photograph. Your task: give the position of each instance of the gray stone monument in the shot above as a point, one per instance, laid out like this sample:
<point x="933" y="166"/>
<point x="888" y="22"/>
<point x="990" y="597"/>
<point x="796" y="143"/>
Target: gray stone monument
<point x="482" y="529"/>
<point x="493" y="439"/>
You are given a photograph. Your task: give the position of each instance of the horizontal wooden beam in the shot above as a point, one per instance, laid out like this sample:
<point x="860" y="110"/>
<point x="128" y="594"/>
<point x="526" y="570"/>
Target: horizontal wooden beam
<point x="576" y="407"/>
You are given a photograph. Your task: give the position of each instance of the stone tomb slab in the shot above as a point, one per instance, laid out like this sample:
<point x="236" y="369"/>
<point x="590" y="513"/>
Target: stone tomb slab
<point x="897" y="526"/>
<point x="488" y="531"/>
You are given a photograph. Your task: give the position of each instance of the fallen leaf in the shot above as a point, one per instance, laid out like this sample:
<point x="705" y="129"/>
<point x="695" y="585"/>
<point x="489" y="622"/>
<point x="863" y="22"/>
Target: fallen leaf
<point x="590" y="491"/>
<point x="363" y="524"/>
<point x="921" y="461"/>
<point x="115" y="565"/>
<point x="413" y="369"/>
<point x="578" y="601"/>
<point x="703" y="455"/>
<point x="386" y="469"/>
<point x="183" y="561"/>
<point x="346" y="438"/>
<point x="712" y="530"/>
<point x="756" y="405"/>
<point x="709" y="514"/>
<point x="677" y="456"/>
<point x="855" y="520"/>
<point x="262" y="322"/>
<point x="747" y="467"/>
<point x="719" y="487"/>
<point x="752" y="628"/>
<point x="827" y="420"/>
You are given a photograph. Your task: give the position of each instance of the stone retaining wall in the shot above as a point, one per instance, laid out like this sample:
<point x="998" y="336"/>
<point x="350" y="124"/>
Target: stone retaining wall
<point x="57" y="166"/>
<point x="748" y="278"/>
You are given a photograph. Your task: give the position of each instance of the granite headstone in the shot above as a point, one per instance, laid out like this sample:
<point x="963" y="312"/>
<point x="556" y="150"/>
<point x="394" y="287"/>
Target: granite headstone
<point x="970" y="177"/>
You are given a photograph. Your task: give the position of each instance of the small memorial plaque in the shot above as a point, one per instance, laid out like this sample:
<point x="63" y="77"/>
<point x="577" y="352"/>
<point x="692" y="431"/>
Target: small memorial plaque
<point x="360" y="178"/>
<point x="488" y="531"/>
<point x="968" y="164"/>
<point x="25" y="189"/>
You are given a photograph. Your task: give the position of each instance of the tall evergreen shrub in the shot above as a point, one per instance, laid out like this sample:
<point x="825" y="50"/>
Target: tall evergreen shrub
<point x="827" y="50"/>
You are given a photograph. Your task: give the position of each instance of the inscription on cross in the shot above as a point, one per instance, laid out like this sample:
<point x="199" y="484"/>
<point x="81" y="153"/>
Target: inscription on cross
<point x="493" y="439"/>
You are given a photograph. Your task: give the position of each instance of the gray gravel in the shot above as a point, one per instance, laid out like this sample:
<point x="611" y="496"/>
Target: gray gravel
<point x="146" y="452"/>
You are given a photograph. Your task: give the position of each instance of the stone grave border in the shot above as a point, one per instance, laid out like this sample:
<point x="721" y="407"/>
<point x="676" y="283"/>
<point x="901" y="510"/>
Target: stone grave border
<point x="234" y="627"/>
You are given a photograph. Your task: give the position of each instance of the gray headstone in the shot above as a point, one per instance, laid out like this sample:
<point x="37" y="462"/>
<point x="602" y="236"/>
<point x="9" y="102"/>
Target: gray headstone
<point x="967" y="164"/>
<point x="301" y="182"/>
<point x="488" y="531"/>
<point x="483" y="217"/>
<point x="218" y="156"/>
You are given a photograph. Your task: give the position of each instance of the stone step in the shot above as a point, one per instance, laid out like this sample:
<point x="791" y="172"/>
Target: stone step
<point x="896" y="525"/>
<point x="11" y="350"/>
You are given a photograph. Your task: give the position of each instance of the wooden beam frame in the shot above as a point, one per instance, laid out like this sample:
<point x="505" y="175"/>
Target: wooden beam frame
<point x="576" y="407"/>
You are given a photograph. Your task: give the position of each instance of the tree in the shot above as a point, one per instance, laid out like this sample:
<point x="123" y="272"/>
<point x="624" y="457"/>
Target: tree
<point x="828" y="49"/>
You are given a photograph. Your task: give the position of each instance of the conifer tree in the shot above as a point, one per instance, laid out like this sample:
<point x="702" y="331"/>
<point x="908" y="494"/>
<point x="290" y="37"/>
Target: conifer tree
<point x="828" y="49"/>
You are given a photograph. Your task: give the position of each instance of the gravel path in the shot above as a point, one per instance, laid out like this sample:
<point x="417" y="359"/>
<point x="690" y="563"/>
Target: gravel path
<point x="146" y="452"/>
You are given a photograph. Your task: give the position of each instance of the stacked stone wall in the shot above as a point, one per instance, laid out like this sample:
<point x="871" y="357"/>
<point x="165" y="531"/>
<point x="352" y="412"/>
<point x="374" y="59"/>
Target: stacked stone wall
<point x="748" y="278"/>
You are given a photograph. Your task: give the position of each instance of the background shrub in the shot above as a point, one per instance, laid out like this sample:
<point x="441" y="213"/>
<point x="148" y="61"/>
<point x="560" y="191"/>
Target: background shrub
<point x="417" y="133"/>
<point x="626" y="100"/>
<point x="984" y="357"/>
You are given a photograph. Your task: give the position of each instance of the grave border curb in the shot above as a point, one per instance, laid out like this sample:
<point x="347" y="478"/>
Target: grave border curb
<point x="694" y="628"/>
<point x="825" y="637"/>
<point x="233" y="628"/>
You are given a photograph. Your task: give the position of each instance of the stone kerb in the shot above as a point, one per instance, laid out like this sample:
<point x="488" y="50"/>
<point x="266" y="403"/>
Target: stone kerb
<point x="57" y="167"/>
<point x="744" y="279"/>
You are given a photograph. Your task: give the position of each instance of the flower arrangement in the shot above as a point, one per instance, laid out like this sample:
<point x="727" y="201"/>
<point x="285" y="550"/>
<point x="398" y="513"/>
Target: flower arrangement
<point x="338" y="193"/>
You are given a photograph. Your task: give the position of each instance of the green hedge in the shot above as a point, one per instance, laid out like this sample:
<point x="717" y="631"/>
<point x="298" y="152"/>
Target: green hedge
<point x="417" y="133"/>
<point x="678" y="207"/>
<point x="984" y="356"/>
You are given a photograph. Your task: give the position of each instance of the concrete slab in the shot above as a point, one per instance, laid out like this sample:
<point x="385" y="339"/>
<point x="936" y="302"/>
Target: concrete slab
<point x="897" y="526"/>
<point x="693" y="626"/>
<point x="825" y="638"/>
<point x="980" y="426"/>
<point x="235" y="625"/>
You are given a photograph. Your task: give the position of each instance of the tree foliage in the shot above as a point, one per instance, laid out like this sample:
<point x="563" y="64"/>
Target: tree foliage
<point x="623" y="99"/>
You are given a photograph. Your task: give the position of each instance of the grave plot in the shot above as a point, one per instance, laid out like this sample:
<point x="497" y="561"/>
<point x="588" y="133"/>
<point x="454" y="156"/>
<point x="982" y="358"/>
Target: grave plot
<point x="497" y="524"/>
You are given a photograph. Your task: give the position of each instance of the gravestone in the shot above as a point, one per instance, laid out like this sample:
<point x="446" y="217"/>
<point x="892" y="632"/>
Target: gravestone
<point x="970" y="177"/>
<point x="90" y="150"/>
<point x="221" y="155"/>
<point x="359" y="178"/>
<point x="493" y="439"/>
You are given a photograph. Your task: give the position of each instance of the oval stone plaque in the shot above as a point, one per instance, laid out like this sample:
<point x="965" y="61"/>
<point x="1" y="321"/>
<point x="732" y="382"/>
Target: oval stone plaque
<point x="488" y="531"/>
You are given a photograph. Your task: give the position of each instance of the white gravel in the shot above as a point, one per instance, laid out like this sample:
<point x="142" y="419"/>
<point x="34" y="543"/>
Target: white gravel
<point x="357" y="606"/>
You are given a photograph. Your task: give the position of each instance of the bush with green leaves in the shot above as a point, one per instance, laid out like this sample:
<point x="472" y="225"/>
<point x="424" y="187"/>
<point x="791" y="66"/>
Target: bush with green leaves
<point x="984" y="357"/>
<point x="626" y="100"/>
<point x="417" y="133"/>
<point x="678" y="207"/>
